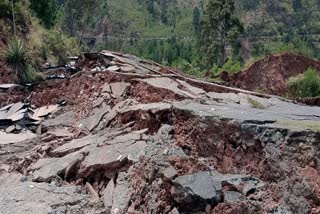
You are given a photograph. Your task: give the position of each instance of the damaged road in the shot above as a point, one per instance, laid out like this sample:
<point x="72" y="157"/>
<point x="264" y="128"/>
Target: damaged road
<point x="137" y="137"/>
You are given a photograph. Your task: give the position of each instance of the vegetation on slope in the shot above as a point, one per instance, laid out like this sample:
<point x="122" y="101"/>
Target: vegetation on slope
<point x="168" y="31"/>
<point x="305" y="85"/>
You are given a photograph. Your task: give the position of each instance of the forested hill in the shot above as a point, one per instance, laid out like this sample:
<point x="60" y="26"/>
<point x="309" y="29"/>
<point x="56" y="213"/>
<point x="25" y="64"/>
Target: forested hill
<point x="158" y="23"/>
<point x="166" y="31"/>
<point x="162" y="18"/>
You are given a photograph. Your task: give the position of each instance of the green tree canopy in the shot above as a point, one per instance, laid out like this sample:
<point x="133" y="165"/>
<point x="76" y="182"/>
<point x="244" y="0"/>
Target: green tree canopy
<point x="45" y="10"/>
<point x="219" y="28"/>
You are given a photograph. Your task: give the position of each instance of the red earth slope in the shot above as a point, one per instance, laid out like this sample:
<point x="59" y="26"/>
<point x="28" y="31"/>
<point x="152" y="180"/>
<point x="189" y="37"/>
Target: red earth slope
<point x="270" y="75"/>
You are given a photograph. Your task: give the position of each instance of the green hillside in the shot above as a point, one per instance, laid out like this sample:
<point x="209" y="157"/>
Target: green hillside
<point x="167" y="31"/>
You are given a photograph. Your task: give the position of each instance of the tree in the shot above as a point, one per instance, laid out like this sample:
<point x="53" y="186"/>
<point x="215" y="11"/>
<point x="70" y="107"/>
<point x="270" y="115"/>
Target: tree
<point x="219" y="28"/>
<point x="78" y="15"/>
<point x="196" y="20"/>
<point x="297" y="5"/>
<point x="45" y="10"/>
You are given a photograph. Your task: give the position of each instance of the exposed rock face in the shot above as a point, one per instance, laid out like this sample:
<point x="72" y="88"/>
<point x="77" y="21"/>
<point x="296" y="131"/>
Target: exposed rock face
<point x="144" y="139"/>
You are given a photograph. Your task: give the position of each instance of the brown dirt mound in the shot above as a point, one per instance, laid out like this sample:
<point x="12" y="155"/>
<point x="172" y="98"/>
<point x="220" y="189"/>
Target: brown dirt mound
<point x="270" y="75"/>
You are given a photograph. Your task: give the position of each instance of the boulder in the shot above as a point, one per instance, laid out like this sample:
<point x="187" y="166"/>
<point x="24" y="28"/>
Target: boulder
<point x="194" y="192"/>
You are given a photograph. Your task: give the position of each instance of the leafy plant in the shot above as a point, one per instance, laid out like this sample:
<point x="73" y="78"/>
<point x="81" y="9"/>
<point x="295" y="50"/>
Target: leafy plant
<point x="231" y="66"/>
<point x="306" y="85"/>
<point x="17" y="56"/>
<point x="60" y="46"/>
<point x="44" y="52"/>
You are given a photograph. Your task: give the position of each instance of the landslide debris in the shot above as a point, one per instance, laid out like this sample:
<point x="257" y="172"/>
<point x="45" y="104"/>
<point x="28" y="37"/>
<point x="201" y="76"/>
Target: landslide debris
<point x="133" y="136"/>
<point x="270" y="75"/>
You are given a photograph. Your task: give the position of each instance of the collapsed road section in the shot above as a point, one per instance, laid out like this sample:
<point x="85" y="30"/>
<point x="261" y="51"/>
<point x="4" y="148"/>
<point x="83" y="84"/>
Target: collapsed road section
<point x="136" y="137"/>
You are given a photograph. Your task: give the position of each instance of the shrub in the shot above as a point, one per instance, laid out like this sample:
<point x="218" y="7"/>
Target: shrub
<point x="189" y="68"/>
<point x="60" y="46"/>
<point x="45" y="10"/>
<point x="17" y="56"/>
<point x="19" y="11"/>
<point x="306" y="85"/>
<point x="5" y="9"/>
<point x="231" y="66"/>
<point x="44" y="52"/>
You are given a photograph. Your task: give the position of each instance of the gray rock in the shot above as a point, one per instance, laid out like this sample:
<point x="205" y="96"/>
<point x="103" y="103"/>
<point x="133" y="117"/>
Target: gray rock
<point x="117" y="195"/>
<point x="93" y="121"/>
<point x="233" y="197"/>
<point x="169" y="84"/>
<point x="28" y="198"/>
<point x="10" y="129"/>
<point x="170" y="172"/>
<point x="249" y="188"/>
<point x="119" y="88"/>
<point x="46" y="169"/>
<point x="194" y="192"/>
<point x="65" y="119"/>
<point x="113" y="155"/>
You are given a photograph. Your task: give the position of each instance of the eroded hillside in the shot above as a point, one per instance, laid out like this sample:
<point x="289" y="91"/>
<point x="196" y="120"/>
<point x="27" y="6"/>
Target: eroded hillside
<point x="126" y="135"/>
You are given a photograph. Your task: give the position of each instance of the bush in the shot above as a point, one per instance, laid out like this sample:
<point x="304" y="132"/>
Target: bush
<point x="60" y="46"/>
<point x="17" y="56"/>
<point x="187" y="67"/>
<point x="306" y="85"/>
<point x="19" y="11"/>
<point x="231" y="66"/>
<point x="5" y="9"/>
<point x="45" y="10"/>
<point x="44" y="52"/>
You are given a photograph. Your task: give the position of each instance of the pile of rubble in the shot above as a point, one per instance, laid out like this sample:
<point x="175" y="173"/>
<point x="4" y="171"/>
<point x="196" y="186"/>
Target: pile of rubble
<point x="137" y="137"/>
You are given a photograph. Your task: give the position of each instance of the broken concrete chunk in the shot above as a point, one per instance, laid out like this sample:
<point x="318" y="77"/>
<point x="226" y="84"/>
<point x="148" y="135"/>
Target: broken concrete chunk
<point x="65" y="119"/>
<point x="106" y="88"/>
<point x="29" y="198"/>
<point x="192" y="89"/>
<point x="170" y="172"/>
<point x="111" y="157"/>
<point x="13" y="112"/>
<point x="169" y="84"/>
<point x="6" y="138"/>
<point x="174" y="211"/>
<point x="10" y="129"/>
<point x="127" y="68"/>
<point x="46" y="169"/>
<point x="44" y="111"/>
<point x="194" y="192"/>
<point x="94" y="120"/>
<point x="249" y="188"/>
<point x="119" y="88"/>
<point x="117" y="195"/>
<point x="113" y="68"/>
<point x="19" y="115"/>
<point x="60" y="132"/>
<point x="233" y="197"/>
<point x="15" y="108"/>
